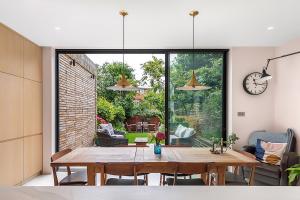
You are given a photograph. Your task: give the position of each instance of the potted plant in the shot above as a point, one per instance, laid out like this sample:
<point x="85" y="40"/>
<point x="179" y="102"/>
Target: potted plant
<point x="158" y="137"/>
<point x="294" y="173"/>
<point x="218" y="144"/>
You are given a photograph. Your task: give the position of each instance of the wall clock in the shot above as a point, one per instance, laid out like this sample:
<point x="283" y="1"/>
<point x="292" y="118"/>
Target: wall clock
<point x="253" y="85"/>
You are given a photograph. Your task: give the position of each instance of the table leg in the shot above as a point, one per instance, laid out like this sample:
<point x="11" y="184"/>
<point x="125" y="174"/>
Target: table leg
<point x="91" y="175"/>
<point x="251" y="178"/>
<point x="221" y="175"/>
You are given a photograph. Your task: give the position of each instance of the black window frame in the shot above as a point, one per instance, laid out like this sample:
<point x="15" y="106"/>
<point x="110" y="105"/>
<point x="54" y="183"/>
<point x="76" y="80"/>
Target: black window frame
<point x="167" y="53"/>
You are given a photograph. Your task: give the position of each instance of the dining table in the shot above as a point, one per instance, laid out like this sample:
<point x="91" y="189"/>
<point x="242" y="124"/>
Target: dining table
<point x="94" y="158"/>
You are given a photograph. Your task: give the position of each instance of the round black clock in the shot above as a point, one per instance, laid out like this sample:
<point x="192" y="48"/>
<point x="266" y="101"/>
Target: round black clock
<point x="253" y="85"/>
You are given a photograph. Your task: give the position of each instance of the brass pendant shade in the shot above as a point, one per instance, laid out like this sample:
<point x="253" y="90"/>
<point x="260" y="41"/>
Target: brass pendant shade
<point x="123" y="84"/>
<point x="193" y="84"/>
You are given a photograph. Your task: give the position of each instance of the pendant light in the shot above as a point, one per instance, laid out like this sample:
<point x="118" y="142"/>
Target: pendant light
<point x="193" y="84"/>
<point x="123" y="84"/>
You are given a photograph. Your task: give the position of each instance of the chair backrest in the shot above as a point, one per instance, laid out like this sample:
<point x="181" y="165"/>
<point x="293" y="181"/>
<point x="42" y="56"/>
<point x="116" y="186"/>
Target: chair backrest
<point x="60" y="154"/>
<point x="287" y="137"/>
<point x="191" y="168"/>
<point x="119" y="169"/>
<point x="164" y="167"/>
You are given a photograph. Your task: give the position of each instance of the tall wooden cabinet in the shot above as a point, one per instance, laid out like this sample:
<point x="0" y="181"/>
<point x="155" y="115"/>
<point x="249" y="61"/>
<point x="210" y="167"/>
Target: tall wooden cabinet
<point x="20" y="108"/>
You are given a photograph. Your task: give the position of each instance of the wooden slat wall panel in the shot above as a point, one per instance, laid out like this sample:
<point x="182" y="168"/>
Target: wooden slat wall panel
<point x="32" y="155"/>
<point x="11" y="167"/>
<point x="32" y="61"/>
<point x="11" y="107"/>
<point x="33" y="113"/>
<point x="11" y="52"/>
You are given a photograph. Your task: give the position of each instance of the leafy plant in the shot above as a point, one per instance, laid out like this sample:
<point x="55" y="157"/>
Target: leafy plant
<point x="294" y="173"/>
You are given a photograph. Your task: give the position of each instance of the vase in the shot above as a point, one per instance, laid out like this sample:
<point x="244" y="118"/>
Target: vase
<point x="157" y="149"/>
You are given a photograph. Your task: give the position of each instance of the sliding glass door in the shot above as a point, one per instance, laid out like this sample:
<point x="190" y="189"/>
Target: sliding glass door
<point x="187" y="117"/>
<point x="196" y="116"/>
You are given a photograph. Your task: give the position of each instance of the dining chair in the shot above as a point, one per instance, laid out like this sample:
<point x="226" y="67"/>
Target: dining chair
<point x="164" y="175"/>
<point x="73" y="178"/>
<point x="120" y="169"/>
<point x="163" y="167"/>
<point x="189" y="168"/>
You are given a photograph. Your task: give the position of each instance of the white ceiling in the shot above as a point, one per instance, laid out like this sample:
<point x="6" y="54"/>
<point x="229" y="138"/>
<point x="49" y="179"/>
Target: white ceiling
<point x="153" y="23"/>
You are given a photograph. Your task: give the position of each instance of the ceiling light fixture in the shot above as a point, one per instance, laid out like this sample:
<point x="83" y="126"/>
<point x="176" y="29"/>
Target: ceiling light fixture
<point x="193" y="84"/>
<point x="270" y="28"/>
<point x="123" y="84"/>
<point x="57" y="28"/>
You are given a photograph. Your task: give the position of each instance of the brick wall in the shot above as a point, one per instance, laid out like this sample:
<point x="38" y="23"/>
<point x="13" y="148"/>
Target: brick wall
<point x="77" y="101"/>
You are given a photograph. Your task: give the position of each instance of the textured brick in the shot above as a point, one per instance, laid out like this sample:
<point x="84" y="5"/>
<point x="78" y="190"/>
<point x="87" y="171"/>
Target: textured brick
<point x="77" y="101"/>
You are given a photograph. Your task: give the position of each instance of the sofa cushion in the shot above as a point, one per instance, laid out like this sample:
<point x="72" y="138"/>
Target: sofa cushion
<point x="109" y="128"/>
<point x="269" y="152"/>
<point x="180" y="131"/>
<point x="268" y="136"/>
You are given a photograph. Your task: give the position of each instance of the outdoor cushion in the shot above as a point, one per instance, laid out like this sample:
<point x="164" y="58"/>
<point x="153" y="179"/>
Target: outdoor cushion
<point x="118" y="136"/>
<point x="180" y="131"/>
<point x="269" y="152"/>
<point x="109" y="128"/>
<point x="188" y="132"/>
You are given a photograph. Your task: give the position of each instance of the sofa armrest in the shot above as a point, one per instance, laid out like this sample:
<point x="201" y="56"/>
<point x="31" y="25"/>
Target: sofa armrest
<point x="249" y="149"/>
<point x="288" y="159"/>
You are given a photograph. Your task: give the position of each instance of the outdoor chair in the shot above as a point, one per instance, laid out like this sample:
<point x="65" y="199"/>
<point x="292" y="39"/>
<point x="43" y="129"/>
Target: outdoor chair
<point x="145" y="127"/>
<point x="73" y="178"/>
<point x="120" y="169"/>
<point x="188" y="168"/>
<point x="130" y="127"/>
<point x="139" y="126"/>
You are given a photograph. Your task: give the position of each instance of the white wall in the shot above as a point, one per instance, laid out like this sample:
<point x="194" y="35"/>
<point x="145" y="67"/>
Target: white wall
<point x="48" y="107"/>
<point x="287" y="90"/>
<point x="258" y="108"/>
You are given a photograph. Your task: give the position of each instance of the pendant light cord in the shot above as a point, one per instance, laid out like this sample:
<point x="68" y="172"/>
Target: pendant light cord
<point x="193" y="41"/>
<point x="123" y="41"/>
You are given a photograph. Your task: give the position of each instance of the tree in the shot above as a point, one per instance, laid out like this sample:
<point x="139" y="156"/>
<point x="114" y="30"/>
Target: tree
<point x="204" y="105"/>
<point x="154" y="71"/>
<point x="108" y="74"/>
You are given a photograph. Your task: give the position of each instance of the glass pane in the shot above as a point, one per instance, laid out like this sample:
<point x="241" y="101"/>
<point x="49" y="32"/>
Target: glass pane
<point x="195" y="116"/>
<point x="141" y="113"/>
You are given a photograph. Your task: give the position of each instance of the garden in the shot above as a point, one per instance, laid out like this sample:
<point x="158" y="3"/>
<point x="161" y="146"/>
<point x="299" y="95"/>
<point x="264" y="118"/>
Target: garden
<point x="201" y="110"/>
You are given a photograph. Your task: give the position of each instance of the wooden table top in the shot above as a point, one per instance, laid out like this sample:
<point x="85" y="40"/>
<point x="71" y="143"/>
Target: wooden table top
<point x="88" y="155"/>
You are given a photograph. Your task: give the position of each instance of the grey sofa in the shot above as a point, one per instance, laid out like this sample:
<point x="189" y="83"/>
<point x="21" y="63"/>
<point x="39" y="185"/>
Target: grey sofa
<point x="266" y="174"/>
<point x="104" y="139"/>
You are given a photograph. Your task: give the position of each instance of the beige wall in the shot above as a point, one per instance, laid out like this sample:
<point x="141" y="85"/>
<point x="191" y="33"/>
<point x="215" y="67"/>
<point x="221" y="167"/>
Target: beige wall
<point x="287" y="90"/>
<point x="21" y="108"/>
<point x="258" y="109"/>
<point x="278" y="108"/>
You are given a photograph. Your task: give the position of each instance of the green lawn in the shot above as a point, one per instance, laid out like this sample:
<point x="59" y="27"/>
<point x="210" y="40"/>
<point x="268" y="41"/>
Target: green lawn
<point x="132" y="135"/>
